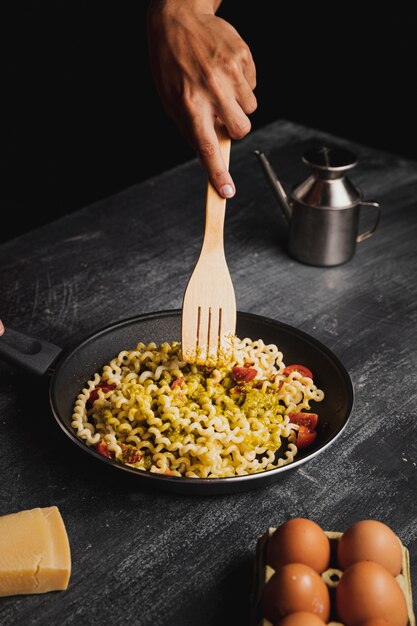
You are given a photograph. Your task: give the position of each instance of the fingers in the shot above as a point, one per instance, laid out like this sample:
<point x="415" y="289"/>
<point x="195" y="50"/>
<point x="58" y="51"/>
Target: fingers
<point x="210" y="156"/>
<point x="244" y="94"/>
<point x="196" y="121"/>
<point x="207" y="146"/>
<point x="1" y="328"/>
<point x="231" y="102"/>
<point x="234" y="97"/>
<point x="232" y="111"/>
<point x="249" y="69"/>
<point x="198" y="127"/>
<point x="246" y="101"/>
<point x="237" y="123"/>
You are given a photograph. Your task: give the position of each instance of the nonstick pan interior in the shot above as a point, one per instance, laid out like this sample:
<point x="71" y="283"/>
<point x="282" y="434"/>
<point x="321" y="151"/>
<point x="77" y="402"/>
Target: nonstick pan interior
<point x="329" y="374"/>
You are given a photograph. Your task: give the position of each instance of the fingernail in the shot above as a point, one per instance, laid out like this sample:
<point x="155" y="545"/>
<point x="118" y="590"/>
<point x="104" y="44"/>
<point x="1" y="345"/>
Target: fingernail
<point x="227" y="191"/>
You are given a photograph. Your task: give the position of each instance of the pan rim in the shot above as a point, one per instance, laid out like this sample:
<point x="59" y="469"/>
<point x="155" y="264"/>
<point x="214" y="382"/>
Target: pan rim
<point x="183" y="480"/>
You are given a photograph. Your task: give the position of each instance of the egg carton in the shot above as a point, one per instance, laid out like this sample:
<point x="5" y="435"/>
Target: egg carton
<point x="263" y="572"/>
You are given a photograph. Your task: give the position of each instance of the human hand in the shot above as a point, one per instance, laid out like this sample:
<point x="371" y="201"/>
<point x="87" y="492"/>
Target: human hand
<point x="203" y="70"/>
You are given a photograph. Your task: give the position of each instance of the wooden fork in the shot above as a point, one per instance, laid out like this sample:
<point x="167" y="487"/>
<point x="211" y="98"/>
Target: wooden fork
<point x="209" y="305"/>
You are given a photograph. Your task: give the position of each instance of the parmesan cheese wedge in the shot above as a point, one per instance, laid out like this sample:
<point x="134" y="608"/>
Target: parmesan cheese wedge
<point x="34" y="552"/>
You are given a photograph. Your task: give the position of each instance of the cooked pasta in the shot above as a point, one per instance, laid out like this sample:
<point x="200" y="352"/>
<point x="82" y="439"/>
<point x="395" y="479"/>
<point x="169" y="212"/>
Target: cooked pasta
<point x="153" y="411"/>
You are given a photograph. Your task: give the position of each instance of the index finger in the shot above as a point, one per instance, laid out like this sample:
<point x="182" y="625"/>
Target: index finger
<point x="208" y="148"/>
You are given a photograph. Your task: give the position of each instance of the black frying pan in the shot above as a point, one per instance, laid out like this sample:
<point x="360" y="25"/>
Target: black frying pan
<point x="73" y="369"/>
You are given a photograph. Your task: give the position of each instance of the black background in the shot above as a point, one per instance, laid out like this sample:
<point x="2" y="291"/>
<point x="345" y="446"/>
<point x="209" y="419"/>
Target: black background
<point x="84" y="121"/>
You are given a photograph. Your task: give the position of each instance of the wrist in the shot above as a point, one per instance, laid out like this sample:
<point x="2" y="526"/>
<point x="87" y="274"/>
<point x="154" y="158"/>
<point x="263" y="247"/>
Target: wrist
<point x="176" y="6"/>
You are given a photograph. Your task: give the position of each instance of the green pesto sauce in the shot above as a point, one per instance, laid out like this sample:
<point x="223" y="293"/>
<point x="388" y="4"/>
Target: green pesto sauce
<point x="256" y="403"/>
<point x="175" y="434"/>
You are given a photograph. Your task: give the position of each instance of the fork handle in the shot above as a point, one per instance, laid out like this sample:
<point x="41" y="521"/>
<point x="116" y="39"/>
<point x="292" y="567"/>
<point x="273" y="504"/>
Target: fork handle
<point x="215" y="204"/>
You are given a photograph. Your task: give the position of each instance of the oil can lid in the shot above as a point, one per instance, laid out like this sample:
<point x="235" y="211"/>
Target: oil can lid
<point x="330" y="159"/>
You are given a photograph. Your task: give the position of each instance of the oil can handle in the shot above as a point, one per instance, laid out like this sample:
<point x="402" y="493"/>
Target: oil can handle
<point x="368" y="233"/>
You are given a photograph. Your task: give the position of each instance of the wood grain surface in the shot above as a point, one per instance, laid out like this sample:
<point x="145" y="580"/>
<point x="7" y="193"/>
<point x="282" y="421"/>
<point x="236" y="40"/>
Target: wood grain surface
<point x="150" y="559"/>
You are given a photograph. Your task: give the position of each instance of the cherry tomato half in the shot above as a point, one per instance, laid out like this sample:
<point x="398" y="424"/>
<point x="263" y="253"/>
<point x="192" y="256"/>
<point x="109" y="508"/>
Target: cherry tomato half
<point x="305" y="437"/>
<point x="105" y="386"/>
<point x="243" y="374"/>
<point x="304" y="371"/>
<point x="178" y="382"/>
<point x="102" y="448"/>
<point x="309" y="420"/>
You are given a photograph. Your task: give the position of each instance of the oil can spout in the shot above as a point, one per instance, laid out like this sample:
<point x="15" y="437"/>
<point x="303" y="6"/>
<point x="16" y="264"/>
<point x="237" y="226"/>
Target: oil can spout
<point x="277" y="188"/>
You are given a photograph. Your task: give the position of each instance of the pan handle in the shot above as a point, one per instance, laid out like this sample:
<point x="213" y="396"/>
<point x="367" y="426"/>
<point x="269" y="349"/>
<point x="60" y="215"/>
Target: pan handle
<point x="33" y="355"/>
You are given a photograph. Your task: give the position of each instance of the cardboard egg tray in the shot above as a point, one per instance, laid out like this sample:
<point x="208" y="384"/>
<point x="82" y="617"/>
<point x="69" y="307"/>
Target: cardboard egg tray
<point x="263" y="572"/>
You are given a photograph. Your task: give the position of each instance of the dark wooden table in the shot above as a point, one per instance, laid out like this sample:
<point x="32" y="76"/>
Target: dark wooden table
<point x="149" y="558"/>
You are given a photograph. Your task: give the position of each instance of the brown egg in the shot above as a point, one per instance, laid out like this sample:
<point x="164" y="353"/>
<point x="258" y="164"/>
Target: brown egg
<point x="376" y="621"/>
<point x="367" y="591"/>
<point x="370" y="540"/>
<point x="301" y="618"/>
<point x="299" y="541"/>
<point x="295" y="587"/>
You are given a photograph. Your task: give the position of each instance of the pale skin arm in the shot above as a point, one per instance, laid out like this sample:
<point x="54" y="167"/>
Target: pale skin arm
<point x="203" y="71"/>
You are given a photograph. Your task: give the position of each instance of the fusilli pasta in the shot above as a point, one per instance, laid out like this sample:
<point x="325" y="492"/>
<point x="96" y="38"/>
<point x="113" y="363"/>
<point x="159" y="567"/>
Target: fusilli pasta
<point x="153" y="411"/>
